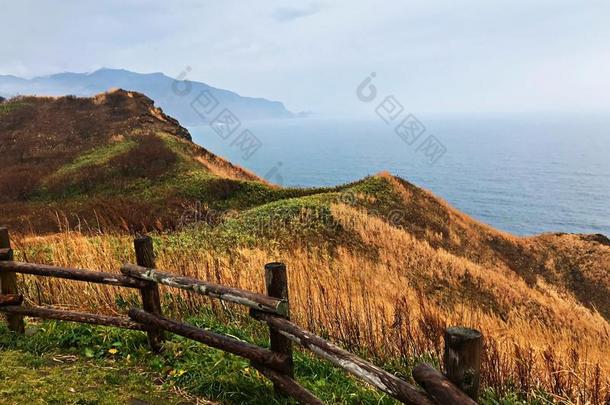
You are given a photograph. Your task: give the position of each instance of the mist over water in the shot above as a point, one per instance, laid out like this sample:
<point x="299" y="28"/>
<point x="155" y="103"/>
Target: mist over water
<point x="522" y="174"/>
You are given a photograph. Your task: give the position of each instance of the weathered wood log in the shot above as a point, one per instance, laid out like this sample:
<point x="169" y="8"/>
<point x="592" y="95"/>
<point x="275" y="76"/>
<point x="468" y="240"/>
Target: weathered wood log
<point x="72" y="274"/>
<point x="151" y="301"/>
<point x="288" y="386"/>
<point x="228" y="344"/>
<point x="72" y="316"/>
<point x="229" y="294"/>
<point x="8" y="282"/>
<point x="360" y="368"/>
<point x="439" y="387"/>
<point x="462" y="359"/>
<point x="276" y="281"/>
<point x="11" y="299"/>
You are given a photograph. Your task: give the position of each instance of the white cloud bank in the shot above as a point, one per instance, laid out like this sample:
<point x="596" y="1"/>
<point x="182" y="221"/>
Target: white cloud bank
<point x="434" y="56"/>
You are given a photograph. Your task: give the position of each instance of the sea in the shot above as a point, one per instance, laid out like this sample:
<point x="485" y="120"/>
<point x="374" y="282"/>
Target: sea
<point x="525" y="174"/>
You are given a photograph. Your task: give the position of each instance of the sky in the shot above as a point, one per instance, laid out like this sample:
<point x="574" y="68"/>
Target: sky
<point x="434" y="56"/>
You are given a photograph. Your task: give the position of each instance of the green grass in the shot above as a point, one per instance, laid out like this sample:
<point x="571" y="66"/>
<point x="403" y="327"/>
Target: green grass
<point x="285" y="221"/>
<point x="9" y="106"/>
<point x="55" y="378"/>
<point x="283" y="217"/>
<point x="97" y="156"/>
<point x="198" y="369"/>
<point x="67" y="363"/>
<point x="307" y="213"/>
<point x="187" y="178"/>
<point x="68" y="175"/>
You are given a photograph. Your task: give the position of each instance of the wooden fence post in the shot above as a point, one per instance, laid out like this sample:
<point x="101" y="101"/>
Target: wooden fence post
<point x="8" y="283"/>
<point x="462" y="359"/>
<point x="151" y="302"/>
<point x="276" y="281"/>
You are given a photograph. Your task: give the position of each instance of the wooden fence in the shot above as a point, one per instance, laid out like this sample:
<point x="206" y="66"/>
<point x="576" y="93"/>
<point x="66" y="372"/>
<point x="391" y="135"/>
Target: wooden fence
<point x="460" y="384"/>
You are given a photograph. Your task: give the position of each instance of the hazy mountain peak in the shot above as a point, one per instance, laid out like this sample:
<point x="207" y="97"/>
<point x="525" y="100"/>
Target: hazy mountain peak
<point x="157" y="86"/>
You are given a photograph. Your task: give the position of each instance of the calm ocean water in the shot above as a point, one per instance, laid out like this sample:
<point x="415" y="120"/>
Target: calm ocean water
<point x="525" y="174"/>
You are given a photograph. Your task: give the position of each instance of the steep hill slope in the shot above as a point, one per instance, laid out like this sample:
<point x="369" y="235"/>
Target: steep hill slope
<point x="579" y="264"/>
<point x="113" y="158"/>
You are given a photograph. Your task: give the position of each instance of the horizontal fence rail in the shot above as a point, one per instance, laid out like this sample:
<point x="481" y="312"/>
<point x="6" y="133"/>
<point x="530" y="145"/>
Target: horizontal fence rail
<point x="73" y="274"/>
<point x="72" y="316"/>
<point x="462" y="346"/>
<point x="212" y="339"/>
<point x="229" y="294"/>
<point x="439" y="387"/>
<point x="362" y="369"/>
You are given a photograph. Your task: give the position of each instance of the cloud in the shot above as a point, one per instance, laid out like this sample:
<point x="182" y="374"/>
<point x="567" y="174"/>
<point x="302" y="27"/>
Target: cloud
<point x="286" y="14"/>
<point x="441" y="56"/>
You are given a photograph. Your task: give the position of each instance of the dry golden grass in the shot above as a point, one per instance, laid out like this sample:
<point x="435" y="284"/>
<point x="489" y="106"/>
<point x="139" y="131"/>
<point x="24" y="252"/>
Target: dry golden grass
<point x="389" y="305"/>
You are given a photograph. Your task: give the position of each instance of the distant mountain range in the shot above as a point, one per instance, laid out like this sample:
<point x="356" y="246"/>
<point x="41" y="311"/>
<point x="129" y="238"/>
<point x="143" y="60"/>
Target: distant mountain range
<point x="175" y="98"/>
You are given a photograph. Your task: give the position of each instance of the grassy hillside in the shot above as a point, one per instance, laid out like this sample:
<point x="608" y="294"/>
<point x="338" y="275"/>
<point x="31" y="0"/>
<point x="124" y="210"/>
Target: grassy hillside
<point x="379" y="265"/>
<point x="112" y="161"/>
<point x="383" y="284"/>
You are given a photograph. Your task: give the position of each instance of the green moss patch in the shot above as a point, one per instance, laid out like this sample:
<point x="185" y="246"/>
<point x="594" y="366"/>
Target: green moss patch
<point x="97" y="156"/>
